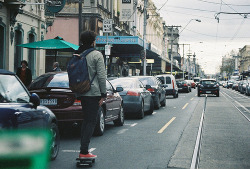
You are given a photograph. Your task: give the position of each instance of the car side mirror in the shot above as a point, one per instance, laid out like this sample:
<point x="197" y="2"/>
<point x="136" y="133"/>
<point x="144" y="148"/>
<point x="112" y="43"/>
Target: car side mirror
<point x="119" y="89"/>
<point x="35" y="99"/>
<point x="148" y="87"/>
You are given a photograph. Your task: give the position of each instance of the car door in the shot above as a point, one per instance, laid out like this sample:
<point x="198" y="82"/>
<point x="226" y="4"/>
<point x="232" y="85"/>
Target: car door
<point x="160" y="89"/>
<point x="146" y="95"/>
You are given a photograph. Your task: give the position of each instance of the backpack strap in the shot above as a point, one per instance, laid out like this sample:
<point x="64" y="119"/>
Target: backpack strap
<point x="84" y="54"/>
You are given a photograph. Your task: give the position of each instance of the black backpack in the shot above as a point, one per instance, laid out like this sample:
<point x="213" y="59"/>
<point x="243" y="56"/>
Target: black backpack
<point x="78" y="74"/>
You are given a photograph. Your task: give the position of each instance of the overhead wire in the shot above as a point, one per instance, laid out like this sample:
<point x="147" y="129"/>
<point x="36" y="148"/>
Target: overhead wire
<point x="220" y="3"/>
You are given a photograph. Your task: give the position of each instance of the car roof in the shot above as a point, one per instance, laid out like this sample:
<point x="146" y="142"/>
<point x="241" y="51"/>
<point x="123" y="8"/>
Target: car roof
<point x="165" y="75"/>
<point x="208" y="79"/>
<point x="6" y="72"/>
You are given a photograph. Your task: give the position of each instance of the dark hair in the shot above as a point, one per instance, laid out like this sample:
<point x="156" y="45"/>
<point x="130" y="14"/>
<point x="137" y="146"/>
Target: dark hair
<point x="87" y="37"/>
<point x="25" y="62"/>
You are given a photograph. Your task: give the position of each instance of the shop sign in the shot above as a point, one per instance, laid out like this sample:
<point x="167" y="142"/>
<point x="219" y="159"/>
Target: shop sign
<point x="119" y="40"/>
<point x="55" y="6"/>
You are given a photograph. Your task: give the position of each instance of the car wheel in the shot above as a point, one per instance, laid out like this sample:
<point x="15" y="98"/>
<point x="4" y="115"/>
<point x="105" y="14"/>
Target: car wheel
<point x="120" y="120"/>
<point x="55" y="141"/>
<point x="218" y="94"/>
<point x="100" y="125"/>
<point x="151" y="110"/>
<point x="163" y="103"/>
<point x="199" y="93"/>
<point x="158" y="104"/>
<point x="141" y="111"/>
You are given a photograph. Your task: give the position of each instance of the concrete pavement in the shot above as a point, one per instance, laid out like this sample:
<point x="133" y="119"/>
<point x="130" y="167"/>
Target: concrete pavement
<point x="225" y="139"/>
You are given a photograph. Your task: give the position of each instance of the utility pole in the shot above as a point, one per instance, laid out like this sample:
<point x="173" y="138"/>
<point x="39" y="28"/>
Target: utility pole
<point x="172" y="41"/>
<point x="189" y="67"/>
<point x="80" y="20"/>
<point x="144" y="38"/>
<point x="183" y="60"/>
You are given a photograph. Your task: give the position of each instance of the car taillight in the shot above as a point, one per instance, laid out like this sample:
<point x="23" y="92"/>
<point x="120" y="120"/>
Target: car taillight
<point x="77" y="103"/>
<point x="151" y="90"/>
<point x="173" y="84"/>
<point x="131" y="93"/>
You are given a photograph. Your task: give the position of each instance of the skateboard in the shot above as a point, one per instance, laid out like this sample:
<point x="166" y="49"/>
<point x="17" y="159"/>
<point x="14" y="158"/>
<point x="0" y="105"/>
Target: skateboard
<point x="85" y="162"/>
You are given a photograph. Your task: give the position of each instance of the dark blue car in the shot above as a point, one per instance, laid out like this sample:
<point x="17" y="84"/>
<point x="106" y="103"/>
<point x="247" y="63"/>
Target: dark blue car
<point x="21" y="110"/>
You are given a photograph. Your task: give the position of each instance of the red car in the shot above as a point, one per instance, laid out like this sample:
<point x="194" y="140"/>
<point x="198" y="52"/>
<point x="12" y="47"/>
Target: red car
<point x="53" y="90"/>
<point x="192" y="83"/>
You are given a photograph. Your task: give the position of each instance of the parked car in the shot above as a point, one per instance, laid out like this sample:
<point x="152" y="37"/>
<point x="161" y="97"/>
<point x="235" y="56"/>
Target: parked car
<point x="183" y="86"/>
<point x="243" y="87"/>
<point x="247" y="92"/>
<point x="21" y="110"/>
<point x="169" y="84"/>
<point x="136" y="99"/>
<point x="192" y="83"/>
<point x="154" y="85"/>
<point x="53" y="89"/>
<point x="208" y="86"/>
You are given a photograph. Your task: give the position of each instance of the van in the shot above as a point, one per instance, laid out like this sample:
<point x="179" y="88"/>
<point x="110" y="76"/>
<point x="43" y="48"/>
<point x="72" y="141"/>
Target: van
<point x="197" y="80"/>
<point x="169" y="84"/>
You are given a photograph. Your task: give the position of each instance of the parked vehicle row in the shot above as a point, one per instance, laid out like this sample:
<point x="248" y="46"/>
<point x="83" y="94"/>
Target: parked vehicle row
<point x="242" y="86"/>
<point x="49" y="103"/>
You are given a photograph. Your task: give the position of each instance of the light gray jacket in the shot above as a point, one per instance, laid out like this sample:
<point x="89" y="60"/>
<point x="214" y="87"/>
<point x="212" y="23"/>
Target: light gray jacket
<point x="96" y="65"/>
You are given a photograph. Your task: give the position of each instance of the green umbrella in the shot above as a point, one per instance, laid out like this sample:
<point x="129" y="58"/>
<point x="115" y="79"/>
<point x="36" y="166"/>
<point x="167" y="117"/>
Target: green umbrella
<point x="52" y="44"/>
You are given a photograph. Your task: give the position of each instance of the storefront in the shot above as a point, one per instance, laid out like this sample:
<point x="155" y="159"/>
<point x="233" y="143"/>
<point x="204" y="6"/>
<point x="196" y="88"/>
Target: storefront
<point x="125" y="57"/>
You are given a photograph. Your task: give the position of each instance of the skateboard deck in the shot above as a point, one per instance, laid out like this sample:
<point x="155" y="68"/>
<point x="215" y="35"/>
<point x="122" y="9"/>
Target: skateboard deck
<point x="85" y="162"/>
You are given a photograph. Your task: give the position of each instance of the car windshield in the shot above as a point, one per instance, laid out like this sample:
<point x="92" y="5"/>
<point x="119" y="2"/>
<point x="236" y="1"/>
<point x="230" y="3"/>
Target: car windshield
<point x="11" y="90"/>
<point x="180" y="82"/>
<point x="125" y="83"/>
<point x="51" y="80"/>
<point x="208" y="82"/>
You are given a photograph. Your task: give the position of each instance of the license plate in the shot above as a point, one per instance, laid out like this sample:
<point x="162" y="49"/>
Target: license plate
<point x="48" y="102"/>
<point x="208" y="91"/>
<point x="180" y="88"/>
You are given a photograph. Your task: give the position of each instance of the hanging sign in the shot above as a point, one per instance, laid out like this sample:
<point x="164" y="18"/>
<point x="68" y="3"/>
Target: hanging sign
<point x="126" y="10"/>
<point x="55" y="6"/>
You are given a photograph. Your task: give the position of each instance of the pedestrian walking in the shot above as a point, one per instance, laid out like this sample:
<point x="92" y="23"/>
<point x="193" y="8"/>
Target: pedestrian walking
<point x="24" y="73"/>
<point x="56" y="67"/>
<point x="93" y="99"/>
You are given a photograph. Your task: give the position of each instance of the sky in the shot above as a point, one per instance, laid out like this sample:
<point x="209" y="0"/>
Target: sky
<point x="211" y="39"/>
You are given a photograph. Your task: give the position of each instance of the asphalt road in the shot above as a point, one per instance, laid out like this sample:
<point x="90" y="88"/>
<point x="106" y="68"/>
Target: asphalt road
<point x="166" y="139"/>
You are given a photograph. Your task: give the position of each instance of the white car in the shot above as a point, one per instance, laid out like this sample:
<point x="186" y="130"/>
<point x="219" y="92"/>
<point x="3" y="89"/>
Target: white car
<point x="169" y="84"/>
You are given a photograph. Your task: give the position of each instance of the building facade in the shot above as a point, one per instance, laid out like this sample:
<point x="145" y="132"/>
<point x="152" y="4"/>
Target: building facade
<point x="244" y="67"/>
<point x="21" y="22"/>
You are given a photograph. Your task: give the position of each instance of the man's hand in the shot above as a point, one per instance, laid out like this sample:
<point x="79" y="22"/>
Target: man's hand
<point x="101" y="101"/>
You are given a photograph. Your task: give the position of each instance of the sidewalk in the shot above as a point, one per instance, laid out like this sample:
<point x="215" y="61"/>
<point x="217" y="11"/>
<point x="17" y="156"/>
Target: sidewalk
<point x="225" y="137"/>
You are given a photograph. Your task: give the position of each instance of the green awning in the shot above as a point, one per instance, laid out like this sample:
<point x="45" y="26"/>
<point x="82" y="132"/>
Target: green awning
<point x="57" y="43"/>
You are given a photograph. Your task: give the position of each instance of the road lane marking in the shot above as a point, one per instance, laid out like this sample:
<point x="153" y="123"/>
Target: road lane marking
<point x="154" y="112"/>
<point x="184" y="106"/>
<point x="192" y="98"/>
<point x="122" y="131"/>
<point x="166" y="125"/>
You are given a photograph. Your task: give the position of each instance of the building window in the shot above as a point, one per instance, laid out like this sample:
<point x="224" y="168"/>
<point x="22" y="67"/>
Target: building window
<point x="2" y="44"/>
<point x="32" y="55"/>
<point x="18" y="52"/>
